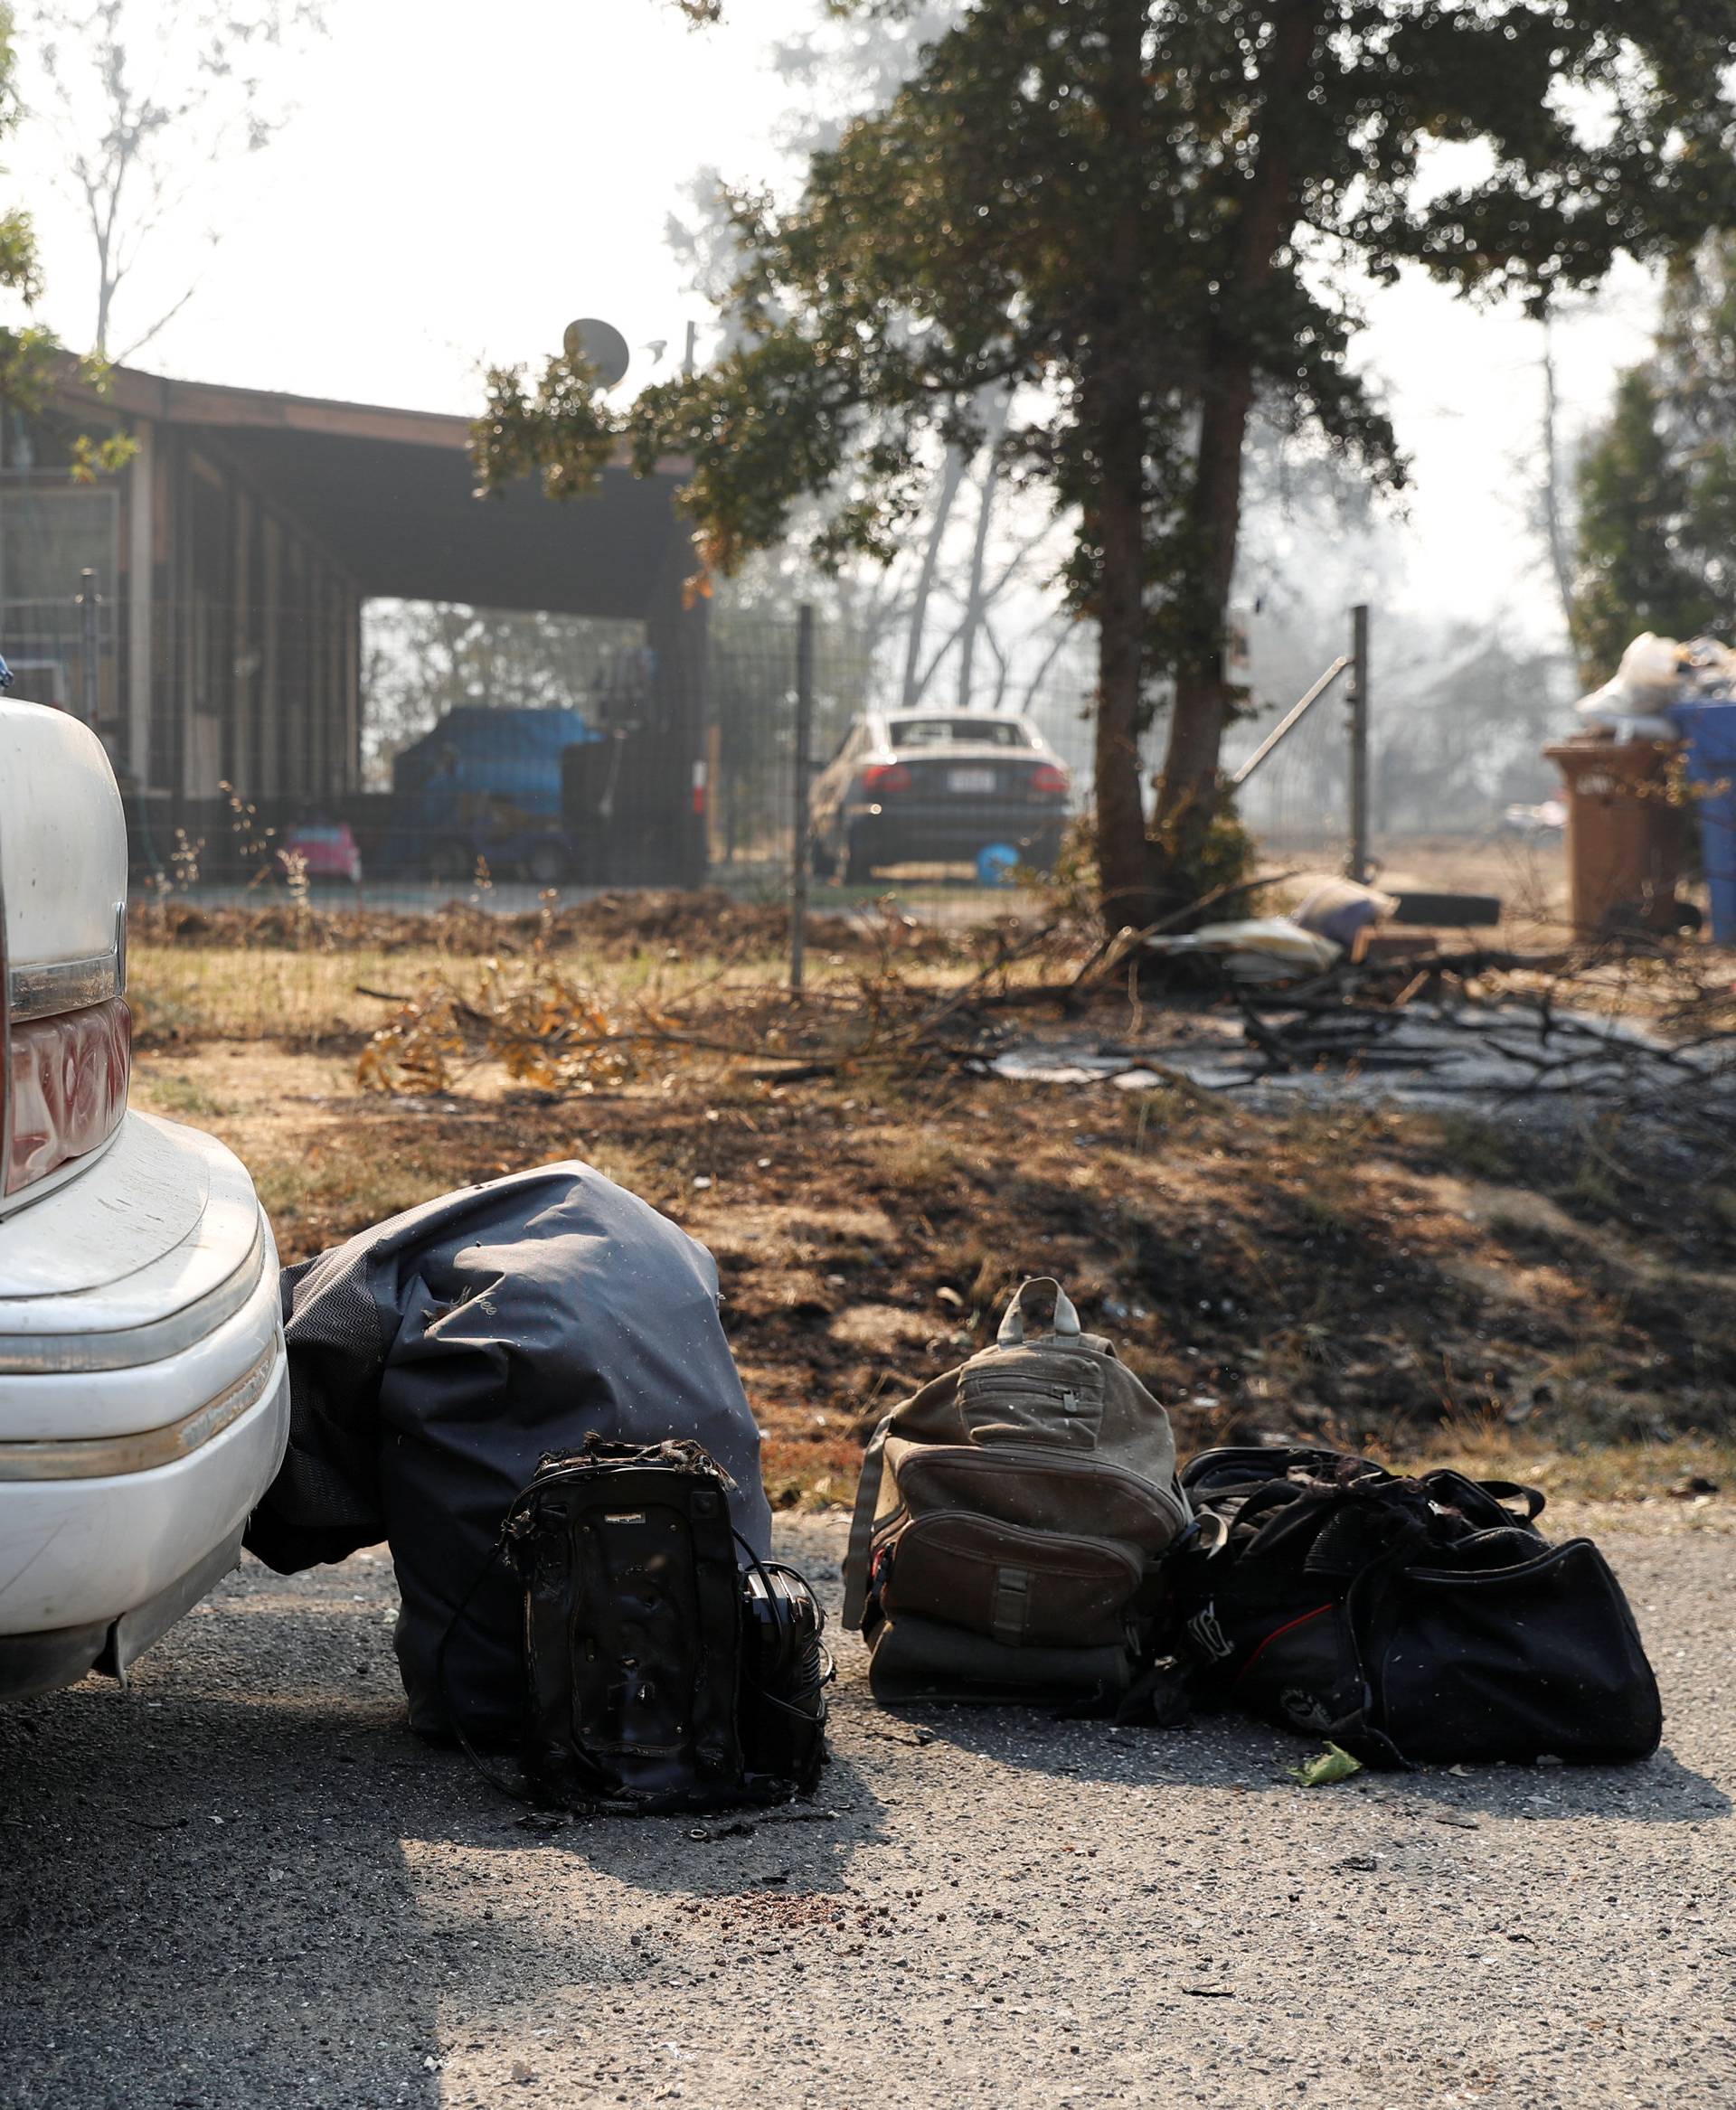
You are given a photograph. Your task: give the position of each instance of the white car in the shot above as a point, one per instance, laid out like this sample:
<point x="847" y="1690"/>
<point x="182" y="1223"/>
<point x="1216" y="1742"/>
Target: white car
<point x="144" y="1393"/>
<point x="937" y="786"/>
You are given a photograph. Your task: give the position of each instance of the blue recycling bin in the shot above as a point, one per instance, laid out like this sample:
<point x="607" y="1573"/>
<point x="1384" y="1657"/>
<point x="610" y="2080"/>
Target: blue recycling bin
<point x="1709" y="733"/>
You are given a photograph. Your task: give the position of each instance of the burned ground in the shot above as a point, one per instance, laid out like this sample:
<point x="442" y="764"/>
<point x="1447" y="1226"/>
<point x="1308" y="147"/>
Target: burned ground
<point x="1350" y="1272"/>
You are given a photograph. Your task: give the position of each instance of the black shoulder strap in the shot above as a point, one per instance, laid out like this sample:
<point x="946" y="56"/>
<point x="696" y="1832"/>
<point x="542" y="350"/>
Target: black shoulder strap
<point x="518" y="1790"/>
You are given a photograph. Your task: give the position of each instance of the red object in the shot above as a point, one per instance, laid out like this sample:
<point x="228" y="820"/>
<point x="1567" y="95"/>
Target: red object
<point x="886" y="777"/>
<point x="325" y="849"/>
<point x="1289" y="1626"/>
<point x="1050" y="778"/>
<point x="66" y="1088"/>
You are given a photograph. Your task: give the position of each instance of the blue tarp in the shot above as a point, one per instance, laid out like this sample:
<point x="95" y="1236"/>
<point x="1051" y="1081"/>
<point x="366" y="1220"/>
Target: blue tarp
<point x="510" y="756"/>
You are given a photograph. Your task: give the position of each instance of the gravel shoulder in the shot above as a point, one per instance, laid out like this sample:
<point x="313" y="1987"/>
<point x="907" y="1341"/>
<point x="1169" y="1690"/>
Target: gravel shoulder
<point x="241" y="1882"/>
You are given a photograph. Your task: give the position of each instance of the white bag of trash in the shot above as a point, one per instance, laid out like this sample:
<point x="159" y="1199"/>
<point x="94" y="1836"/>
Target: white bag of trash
<point x="1630" y="704"/>
<point x="1655" y="672"/>
<point x="1263" y="948"/>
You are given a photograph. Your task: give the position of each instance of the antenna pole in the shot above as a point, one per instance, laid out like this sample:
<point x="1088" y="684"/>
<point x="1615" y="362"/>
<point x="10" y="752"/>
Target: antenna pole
<point x="804" y="769"/>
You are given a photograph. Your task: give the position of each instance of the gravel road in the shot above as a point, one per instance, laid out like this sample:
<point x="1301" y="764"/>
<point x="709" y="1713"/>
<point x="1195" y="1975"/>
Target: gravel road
<point x="243" y="1883"/>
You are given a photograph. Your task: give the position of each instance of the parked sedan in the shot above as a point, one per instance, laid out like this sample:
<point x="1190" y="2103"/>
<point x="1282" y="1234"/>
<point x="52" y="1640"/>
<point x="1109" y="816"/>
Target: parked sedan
<point x="143" y="1395"/>
<point x="925" y="787"/>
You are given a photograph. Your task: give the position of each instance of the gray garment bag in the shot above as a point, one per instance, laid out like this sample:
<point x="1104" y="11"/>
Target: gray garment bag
<point x="434" y="1358"/>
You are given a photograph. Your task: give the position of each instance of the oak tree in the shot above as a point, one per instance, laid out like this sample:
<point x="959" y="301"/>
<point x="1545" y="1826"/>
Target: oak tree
<point x="1150" y="218"/>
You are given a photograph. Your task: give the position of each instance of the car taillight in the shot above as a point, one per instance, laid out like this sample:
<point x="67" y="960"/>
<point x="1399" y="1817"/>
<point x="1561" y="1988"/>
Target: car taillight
<point x="884" y="777"/>
<point x="1050" y="779"/>
<point x="65" y="1087"/>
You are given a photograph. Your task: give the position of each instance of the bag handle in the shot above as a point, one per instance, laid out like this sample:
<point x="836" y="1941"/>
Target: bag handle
<point x="1012" y="1333"/>
<point x="861" y="1527"/>
<point x="1511" y="1491"/>
<point x="1497" y="1494"/>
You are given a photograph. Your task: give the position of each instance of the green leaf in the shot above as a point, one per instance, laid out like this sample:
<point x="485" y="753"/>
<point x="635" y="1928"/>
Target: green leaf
<point x="1333" y="1763"/>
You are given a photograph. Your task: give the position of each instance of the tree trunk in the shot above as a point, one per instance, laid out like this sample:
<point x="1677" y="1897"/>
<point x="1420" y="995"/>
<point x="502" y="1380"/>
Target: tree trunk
<point x="1126" y="871"/>
<point x="975" y="598"/>
<point x="951" y="476"/>
<point x="1188" y="791"/>
<point x="1560" y="556"/>
<point x="1113" y="407"/>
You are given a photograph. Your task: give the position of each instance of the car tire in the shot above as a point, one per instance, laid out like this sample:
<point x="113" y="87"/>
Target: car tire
<point x="546" y="864"/>
<point x="1045" y="854"/>
<point x="858" y="866"/>
<point x="451" y="861"/>
<point x="821" y="862"/>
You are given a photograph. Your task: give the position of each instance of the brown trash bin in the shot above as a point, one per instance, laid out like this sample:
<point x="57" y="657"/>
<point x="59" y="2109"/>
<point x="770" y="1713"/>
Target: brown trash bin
<point x="1623" y="834"/>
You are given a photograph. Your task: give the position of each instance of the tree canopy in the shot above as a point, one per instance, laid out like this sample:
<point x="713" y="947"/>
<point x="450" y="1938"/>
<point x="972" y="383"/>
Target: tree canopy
<point x="30" y="354"/>
<point x="1657" y="483"/>
<point x="1148" y="220"/>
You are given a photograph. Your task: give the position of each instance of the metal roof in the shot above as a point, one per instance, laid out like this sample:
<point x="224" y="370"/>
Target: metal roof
<point x="391" y="495"/>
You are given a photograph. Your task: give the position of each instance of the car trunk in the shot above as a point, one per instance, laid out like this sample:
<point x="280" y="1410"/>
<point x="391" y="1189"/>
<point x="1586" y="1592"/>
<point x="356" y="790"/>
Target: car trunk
<point x="144" y="1400"/>
<point x="985" y="773"/>
<point x="124" y="1242"/>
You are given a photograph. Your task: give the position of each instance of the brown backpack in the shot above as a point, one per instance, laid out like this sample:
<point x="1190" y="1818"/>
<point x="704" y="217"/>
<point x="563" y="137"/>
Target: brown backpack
<point x="1009" y="1522"/>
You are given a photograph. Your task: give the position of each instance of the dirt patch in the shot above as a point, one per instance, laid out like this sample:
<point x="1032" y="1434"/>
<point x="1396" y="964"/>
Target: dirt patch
<point x="1341" y="1275"/>
<point x="878" y="1327"/>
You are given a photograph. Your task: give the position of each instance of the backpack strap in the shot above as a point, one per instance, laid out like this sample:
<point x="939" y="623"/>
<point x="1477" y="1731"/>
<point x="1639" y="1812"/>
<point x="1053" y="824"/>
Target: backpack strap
<point x="1012" y="1333"/>
<point x="517" y="1788"/>
<point x="861" y="1527"/>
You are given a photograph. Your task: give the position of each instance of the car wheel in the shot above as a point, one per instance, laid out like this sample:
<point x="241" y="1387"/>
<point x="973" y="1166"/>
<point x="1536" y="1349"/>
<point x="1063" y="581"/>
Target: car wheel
<point x="545" y="865"/>
<point x="1045" y="854"/>
<point x="858" y="866"/>
<point x="821" y="862"/>
<point x="451" y="860"/>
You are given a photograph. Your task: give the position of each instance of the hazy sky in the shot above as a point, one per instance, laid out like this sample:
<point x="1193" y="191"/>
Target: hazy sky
<point x="462" y="181"/>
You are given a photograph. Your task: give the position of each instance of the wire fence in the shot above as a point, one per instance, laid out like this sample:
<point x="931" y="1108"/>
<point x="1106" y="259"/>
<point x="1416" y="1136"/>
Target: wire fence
<point x="401" y="755"/>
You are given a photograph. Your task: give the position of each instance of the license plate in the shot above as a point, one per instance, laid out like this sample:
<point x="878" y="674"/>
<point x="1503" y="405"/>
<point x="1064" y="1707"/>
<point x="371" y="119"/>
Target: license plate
<point x="970" y="781"/>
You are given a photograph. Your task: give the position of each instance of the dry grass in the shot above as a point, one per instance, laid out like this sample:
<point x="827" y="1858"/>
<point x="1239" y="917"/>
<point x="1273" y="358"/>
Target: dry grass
<point x="1417" y="1283"/>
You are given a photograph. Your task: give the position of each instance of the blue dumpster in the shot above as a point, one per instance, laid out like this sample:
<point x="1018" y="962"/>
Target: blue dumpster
<point x="1709" y="731"/>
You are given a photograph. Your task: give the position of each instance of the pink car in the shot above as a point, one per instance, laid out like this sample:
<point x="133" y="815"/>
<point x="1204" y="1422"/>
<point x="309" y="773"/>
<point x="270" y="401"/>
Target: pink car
<point x="325" y="850"/>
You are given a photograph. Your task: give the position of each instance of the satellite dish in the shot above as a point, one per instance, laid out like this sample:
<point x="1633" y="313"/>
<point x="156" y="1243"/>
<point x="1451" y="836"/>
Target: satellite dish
<point x="601" y="346"/>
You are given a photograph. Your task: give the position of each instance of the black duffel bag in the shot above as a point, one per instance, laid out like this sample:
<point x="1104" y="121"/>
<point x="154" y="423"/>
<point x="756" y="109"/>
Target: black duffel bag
<point x="1409" y="1621"/>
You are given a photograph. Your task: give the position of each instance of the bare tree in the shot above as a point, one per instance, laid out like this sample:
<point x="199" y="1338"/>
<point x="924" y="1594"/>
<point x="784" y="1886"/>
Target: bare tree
<point x="144" y="103"/>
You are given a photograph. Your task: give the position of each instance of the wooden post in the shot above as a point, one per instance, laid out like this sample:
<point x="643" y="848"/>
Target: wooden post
<point x="804" y="755"/>
<point x="1357" y="863"/>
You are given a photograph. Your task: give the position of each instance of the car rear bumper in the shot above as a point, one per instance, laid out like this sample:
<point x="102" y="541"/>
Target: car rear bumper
<point x="144" y="1399"/>
<point x="92" y="1570"/>
<point x="953" y="829"/>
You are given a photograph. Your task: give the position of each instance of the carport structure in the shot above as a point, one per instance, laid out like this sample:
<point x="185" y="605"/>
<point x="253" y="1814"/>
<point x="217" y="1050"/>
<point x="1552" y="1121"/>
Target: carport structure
<point x="234" y="553"/>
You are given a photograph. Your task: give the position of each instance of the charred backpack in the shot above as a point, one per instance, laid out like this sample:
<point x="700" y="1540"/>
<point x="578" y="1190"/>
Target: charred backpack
<point x="1411" y="1621"/>
<point x="1009" y="1522"/>
<point x="666" y="1667"/>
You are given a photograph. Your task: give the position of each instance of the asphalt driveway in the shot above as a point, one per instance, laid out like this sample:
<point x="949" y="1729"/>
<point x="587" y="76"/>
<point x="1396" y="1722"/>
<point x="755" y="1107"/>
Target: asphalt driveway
<point x="243" y="1882"/>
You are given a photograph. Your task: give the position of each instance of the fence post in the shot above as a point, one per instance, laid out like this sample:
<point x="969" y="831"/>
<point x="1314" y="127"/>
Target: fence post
<point x="89" y="671"/>
<point x="1357" y="863"/>
<point x="804" y="754"/>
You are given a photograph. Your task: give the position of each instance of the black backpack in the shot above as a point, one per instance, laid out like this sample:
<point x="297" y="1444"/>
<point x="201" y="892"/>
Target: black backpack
<point x="660" y="1673"/>
<point x="1411" y="1621"/>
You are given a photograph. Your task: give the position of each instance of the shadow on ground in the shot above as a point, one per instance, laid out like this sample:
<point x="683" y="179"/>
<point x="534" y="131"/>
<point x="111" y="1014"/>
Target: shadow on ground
<point x="243" y="1882"/>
